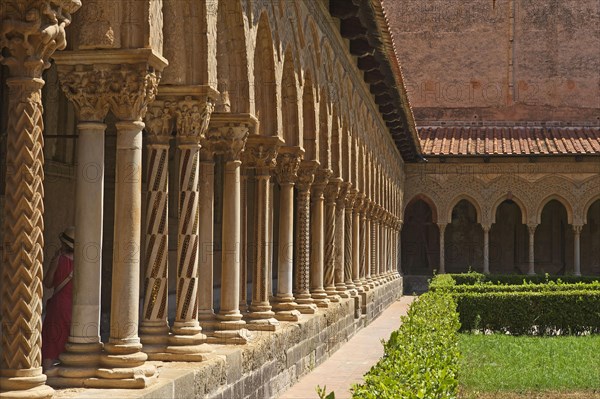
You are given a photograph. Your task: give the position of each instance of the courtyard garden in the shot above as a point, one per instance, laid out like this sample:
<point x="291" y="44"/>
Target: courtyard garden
<point x="477" y="336"/>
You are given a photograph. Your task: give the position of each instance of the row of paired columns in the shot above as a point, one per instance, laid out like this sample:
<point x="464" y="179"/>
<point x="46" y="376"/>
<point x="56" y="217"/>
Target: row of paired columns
<point x="531" y="228"/>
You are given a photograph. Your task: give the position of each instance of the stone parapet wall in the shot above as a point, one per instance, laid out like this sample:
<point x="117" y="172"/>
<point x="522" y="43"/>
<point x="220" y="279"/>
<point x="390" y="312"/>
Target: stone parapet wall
<point x="270" y="363"/>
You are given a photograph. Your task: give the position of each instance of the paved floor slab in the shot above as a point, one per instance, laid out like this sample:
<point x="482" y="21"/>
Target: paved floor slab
<point x="348" y="365"/>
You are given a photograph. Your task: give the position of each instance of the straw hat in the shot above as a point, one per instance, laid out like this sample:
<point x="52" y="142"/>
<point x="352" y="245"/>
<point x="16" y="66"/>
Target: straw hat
<point x="68" y="237"/>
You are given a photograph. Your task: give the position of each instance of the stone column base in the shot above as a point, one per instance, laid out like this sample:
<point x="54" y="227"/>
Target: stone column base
<point x="126" y="378"/>
<point x="24" y="384"/>
<point x="286" y="310"/>
<point x="225" y="335"/>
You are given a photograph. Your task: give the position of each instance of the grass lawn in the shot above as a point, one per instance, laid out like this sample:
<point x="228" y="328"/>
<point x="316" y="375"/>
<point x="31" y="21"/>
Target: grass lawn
<point x="508" y="367"/>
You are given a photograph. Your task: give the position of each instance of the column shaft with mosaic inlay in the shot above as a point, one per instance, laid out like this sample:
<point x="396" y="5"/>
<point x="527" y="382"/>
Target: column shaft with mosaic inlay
<point x="154" y="327"/>
<point x="340" y="231"/>
<point x="192" y="110"/>
<point x="349" y="242"/>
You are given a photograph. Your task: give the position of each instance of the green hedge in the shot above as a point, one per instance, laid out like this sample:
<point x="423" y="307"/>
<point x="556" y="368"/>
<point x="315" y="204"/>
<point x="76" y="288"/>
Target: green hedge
<point x="539" y="313"/>
<point x="445" y="285"/>
<point x="474" y="278"/>
<point x="421" y="357"/>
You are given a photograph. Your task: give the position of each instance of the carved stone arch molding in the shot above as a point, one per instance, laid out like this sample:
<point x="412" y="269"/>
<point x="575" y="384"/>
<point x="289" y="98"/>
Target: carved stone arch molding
<point x="587" y="205"/>
<point x="542" y="204"/>
<point x="472" y="199"/>
<point x="429" y="198"/>
<point x="508" y="196"/>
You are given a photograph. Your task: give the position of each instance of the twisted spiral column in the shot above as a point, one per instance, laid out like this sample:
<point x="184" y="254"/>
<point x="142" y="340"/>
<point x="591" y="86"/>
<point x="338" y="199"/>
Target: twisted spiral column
<point x="340" y="230"/>
<point x="349" y="243"/>
<point x="357" y="247"/>
<point x="331" y="193"/>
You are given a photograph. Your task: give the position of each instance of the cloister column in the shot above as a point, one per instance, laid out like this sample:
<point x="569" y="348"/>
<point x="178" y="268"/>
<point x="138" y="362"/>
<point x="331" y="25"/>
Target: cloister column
<point x="577" y="249"/>
<point x="356" y="243"/>
<point x="486" y="249"/>
<point x="154" y="328"/>
<point x="531" y="228"/>
<point x="288" y="163"/>
<point x="349" y="241"/>
<point x="29" y="35"/>
<point x="317" y="236"/>
<point x="260" y="155"/>
<point x="206" y="313"/>
<point x="367" y="281"/>
<point x="306" y="175"/>
<point x="244" y="241"/>
<point x="227" y="135"/>
<point x="340" y="230"/>
<point x="399" y="248"/>
<point x="83" y="346"/>
<point x="364" y="245"/>
<point x="374" y="246"/>
<point x="331" y="193"/>
<point x="128" y="103"/>
<point x="442" y="227"/>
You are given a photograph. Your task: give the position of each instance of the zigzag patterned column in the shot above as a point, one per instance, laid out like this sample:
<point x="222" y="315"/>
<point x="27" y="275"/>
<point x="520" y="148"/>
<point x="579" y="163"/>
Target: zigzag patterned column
<point x="306" y="176"/>
<point x="30" y="34"/>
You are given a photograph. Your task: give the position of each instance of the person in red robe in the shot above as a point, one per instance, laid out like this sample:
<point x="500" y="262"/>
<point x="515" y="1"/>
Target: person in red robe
<point x="57" y="323"/>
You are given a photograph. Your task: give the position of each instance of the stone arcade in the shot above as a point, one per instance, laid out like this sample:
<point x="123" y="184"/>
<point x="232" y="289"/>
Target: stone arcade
<point x="239" y="173"/>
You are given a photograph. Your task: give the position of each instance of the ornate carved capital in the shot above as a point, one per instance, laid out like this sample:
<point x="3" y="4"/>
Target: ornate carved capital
<point x="132" y="88"/>
<point x="31" y="32"/>
<point x="159" y="122"/>
<point x="261" y="153"/>
<point x="87" y="87"/>
<point x="351" y="198"/>
<point x="332" y="190"/>
<point x="288" y="164"/>
<point x="306" y="174"/>
<point x="577" y="228"/>
<point x="321" y="179"/>
<point x="343" y="193"/>
<point x="532" y="228"/>
<point x="227" y="134"/>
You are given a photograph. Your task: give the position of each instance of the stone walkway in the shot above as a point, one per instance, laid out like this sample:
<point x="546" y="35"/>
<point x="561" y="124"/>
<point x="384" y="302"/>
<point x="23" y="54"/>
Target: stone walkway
<point x="348" y="365"/>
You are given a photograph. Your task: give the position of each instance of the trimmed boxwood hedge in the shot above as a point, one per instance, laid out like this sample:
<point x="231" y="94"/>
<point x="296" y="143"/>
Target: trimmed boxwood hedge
<point x="474" y="278"/>
<point x="536" y="313"/>
<point x="421" y="358"/>
<point x="550" y="308"/>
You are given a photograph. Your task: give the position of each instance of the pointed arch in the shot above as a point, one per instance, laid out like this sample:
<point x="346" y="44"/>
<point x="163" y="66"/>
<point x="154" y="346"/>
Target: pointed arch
<point x="558" y="198"/>
<point x="516" y="200"/>
<point x="310" y="139"/>
<point x="588" y="206"/>
<point x="232" y="60"/>
<point x="426" y="199"/>
<point x="265" y="84"/>
<point x="452" y="204"/>
<point x="289" y="101"/>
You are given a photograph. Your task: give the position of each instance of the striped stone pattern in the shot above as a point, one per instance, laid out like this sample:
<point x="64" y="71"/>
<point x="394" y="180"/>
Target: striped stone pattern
<point x="303" y="248"/>
<point x="188" y="235"/>
<point x="156" y="281"/>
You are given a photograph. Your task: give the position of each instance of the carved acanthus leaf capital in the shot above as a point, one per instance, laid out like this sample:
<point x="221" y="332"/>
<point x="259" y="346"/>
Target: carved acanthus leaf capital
<point x="132" y="88"/>
<point x="31" y="32"/>
<point x="261" y="153"/>
<point x="87" y="87"/>
<point x="351" y="197"/>
<point x="288" y="164"/>
<point x="227" y="134"/>
<point x="322" y="177"/>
